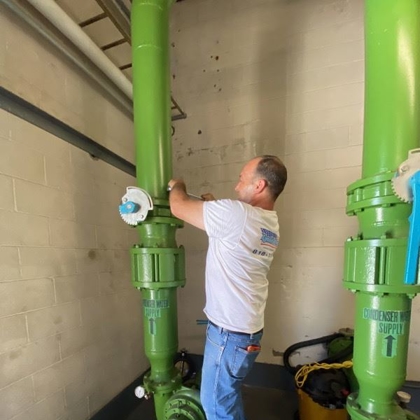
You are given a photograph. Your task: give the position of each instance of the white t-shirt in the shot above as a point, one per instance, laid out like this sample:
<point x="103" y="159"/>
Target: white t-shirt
<point x="242" y="240"/>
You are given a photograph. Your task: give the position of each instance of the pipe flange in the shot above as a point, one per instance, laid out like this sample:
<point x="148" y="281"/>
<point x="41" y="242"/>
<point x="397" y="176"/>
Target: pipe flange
<point x="184" y="405"/>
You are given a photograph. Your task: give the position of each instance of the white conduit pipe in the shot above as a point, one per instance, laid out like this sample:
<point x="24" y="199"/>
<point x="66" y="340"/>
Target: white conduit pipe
<point x="85" y="66"/>
<point x="65" y="24"/>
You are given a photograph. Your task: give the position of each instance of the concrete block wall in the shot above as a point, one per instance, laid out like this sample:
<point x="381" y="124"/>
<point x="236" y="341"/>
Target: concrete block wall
<point x="70" y="321"/>
<point x="286" y="78"/>
<point x="254" y="76"/>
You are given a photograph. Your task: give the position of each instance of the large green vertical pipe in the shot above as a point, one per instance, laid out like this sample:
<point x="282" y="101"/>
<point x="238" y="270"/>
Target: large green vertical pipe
<point x="375" y="258"/>
<point x="392" y="121"/>
<point x="157" y="262"/>
<point x="151" y="92"/>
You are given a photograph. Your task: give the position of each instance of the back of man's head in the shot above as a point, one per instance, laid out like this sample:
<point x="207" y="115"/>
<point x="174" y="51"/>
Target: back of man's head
<point x="272" y="169"/>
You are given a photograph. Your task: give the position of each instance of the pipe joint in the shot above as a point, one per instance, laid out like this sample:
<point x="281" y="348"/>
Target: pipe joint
<point x="370" y="192"/>
<point x="395" y="412"/>
<point x="377" y="266"/>
<point x="163" y="388"/>
<point x="158" y="268"/>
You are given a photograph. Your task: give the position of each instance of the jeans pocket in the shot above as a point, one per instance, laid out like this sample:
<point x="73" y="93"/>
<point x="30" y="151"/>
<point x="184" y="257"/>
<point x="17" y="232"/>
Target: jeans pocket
<point x="242" y="362"/>
<point x="214" y="337"/>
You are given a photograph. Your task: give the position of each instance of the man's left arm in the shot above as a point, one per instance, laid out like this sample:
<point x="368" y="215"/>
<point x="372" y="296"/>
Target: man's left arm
<point x="183" y="207"/>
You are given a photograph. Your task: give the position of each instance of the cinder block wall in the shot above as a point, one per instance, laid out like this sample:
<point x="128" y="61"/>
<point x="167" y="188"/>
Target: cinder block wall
<point x="70" y="321"/>
<point x="255" y="76"/>
<point x="286" y="78"/>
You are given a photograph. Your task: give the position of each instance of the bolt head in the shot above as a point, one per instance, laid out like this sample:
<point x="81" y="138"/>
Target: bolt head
<point x="140" y="392"/>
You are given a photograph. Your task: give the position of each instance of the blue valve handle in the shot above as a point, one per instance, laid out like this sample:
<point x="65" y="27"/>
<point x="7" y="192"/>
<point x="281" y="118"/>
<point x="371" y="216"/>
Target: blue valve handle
<point x="413" y="244"/>
<point x="129" y="207"/>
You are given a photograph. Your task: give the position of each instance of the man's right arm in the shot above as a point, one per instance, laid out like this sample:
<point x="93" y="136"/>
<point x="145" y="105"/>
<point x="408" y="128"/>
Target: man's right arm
<point x="184" y="207"/>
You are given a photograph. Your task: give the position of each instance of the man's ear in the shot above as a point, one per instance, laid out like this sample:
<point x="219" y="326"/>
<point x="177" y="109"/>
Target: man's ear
<point x="261" y="185"/>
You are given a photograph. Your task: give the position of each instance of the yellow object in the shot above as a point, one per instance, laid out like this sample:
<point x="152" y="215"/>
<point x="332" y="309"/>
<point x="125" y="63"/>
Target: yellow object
<point x="305" y="370"/>
<point x="310" y="410"/>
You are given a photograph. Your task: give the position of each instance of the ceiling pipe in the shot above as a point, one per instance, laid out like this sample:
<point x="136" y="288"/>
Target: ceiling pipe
<point x="123" y="96"/>
<point x="89" y="69"/>
<point x="65" y="24"/>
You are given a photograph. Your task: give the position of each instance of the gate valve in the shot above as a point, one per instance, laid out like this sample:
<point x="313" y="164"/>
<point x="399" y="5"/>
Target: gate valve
<point x="413" y="245"/>
<point x="135" y="205"/>
<point x="406" y="185"/>
<point x="129" y="207"/>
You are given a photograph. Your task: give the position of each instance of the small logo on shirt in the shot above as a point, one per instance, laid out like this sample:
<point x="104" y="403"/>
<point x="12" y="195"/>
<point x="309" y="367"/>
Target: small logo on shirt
<point x="269" y="238"/>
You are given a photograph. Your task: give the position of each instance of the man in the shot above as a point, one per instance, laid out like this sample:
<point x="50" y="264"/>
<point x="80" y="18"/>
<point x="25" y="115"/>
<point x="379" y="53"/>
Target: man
<point x="243" y="235"/>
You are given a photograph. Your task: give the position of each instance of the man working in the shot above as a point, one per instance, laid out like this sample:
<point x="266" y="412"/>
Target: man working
<point x="243" y="235"/>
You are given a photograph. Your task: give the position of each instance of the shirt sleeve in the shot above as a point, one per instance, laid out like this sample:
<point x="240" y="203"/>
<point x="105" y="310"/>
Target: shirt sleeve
<point x="224" y="219"/>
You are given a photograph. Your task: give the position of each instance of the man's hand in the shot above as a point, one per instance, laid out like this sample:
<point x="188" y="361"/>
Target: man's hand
<point x="207" y="197"/>
<point x="175" y="181"/>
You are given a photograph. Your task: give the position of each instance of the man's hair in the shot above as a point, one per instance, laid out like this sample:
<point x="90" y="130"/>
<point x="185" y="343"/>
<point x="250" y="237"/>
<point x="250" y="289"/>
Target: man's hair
<point x="272" y="169"/>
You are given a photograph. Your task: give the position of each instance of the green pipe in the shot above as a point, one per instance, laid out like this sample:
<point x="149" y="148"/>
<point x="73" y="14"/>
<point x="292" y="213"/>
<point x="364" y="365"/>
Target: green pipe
<point x="392" y="32"/>
<point x="375" y="258"/>
<point x="157" y="263"/>
<point x="151" y="93"/>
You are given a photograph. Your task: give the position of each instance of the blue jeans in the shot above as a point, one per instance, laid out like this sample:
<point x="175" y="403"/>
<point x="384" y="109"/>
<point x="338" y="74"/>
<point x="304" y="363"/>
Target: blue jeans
<point x="226" y="364"/>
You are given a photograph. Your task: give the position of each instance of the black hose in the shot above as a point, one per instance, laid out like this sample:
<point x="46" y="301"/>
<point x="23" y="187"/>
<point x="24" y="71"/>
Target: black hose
<point x="338" y="356"/>
<point x="326" y="339"/>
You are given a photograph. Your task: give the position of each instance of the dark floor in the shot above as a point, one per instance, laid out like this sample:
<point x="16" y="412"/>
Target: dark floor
<point x="260" y="403"/>
<point x="269" y="404"/>
<point x="269" y="394"/>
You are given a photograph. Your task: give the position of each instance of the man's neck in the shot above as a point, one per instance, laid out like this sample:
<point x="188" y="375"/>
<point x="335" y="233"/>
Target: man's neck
<point x="263" y="204"/>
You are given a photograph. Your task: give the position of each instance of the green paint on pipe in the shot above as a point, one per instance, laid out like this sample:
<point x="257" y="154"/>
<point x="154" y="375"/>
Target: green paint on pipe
<point x="375" y="257"/>
<point x="392" y="31"/>
<point x="151" y="93"/>
<point x="158" y="265"/>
